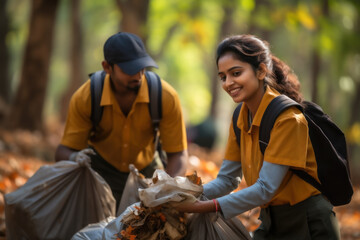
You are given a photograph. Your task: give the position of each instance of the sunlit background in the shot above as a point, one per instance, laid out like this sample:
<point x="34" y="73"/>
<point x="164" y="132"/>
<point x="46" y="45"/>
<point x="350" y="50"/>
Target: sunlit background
<point x="318" y="39"/>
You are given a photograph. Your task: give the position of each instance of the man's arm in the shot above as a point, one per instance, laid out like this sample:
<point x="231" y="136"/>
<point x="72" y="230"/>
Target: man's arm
<point x="176" y="165"/>
<point x="63" y="153"/>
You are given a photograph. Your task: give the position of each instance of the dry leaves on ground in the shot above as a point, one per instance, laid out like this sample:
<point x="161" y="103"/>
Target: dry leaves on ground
<point x="17" y="164"/>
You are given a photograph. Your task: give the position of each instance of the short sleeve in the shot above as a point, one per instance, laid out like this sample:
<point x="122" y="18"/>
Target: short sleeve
<point x="78" y="123"/>
<point x="289" y="140"/>
<point x="172" y="126"/>
<point x="232" y="150"/>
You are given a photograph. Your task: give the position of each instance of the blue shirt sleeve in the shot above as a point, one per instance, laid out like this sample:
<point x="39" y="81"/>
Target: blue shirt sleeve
<point x="227" y="180"/>
<point x="270" y="177"/>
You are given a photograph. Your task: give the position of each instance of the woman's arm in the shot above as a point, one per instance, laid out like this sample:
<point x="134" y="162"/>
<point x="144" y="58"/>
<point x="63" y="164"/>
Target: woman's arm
<point x="227" y="180"/>
<point x="231" y="205"/>
<point x="270" y="177"/>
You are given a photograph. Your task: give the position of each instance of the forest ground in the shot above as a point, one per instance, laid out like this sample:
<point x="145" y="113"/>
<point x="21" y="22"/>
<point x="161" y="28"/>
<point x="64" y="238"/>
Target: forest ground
<point x="22" y="153"/>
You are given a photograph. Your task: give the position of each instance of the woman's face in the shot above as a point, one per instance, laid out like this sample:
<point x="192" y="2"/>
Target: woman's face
<point x="239" y="79"/>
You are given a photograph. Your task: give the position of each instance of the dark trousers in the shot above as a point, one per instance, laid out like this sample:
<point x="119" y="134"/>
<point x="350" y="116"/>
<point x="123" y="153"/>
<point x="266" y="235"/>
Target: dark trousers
<point x="312" y="218"/>
<point x="114" y="177"/>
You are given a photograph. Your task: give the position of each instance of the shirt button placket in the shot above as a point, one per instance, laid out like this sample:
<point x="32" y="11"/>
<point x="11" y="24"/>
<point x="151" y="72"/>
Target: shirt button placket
<point x="125" y="146"/>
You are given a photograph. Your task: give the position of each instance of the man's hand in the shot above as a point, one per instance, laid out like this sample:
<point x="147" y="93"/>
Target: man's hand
<point x="176" y="163"/>
<point x="82" y="157"/>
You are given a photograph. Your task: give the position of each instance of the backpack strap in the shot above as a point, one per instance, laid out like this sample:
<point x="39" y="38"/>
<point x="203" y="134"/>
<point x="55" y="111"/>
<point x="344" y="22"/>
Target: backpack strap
<point x="96" y="88"/>
<point x="155" y="104"/>
<point x="277" y="106"/>
<point x="155" y="109"/>
<point x="155" y="92"/>
<point x="234" y="122"/>
<point x="273" y="110"/>
<point x="155" y="96"/>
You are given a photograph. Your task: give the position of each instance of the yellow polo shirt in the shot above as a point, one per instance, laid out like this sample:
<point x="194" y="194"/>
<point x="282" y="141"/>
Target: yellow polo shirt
<point x="125" y="139"/>
<point x="289" y="145"/>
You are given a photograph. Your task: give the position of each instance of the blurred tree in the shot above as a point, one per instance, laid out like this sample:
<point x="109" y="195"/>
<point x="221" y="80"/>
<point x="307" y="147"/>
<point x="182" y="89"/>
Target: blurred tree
<point x="204" y="133"/>
<point x="27" y="108"/>
<point x="261" y="8"/>
<point x="76" y="57"/>
<point x="226" y="28"/>
<point x="134" y="17"/>
<point x="316" y="57"/>
<point x="4" y="60"/>
<point x="354" y="53"/>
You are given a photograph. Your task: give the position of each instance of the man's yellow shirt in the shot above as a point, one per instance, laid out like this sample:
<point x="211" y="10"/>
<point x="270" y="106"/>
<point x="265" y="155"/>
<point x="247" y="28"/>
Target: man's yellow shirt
<point x="124" y="140"/>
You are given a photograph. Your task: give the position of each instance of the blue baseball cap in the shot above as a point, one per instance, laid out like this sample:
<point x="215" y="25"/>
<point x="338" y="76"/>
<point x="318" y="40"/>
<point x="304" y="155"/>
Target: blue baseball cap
<point x="128" y="52"/>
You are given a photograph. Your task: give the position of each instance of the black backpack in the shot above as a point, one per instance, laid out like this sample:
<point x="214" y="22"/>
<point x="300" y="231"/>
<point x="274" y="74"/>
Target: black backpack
<point x="155" y="109"/>
<point x="328" y="142"/>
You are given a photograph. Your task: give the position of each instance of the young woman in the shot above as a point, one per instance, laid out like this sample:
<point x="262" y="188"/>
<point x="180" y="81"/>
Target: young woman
<point x="290" y="207"/>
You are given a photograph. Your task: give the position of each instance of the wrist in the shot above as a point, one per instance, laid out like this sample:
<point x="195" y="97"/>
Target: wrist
<point x="215" y="204"/>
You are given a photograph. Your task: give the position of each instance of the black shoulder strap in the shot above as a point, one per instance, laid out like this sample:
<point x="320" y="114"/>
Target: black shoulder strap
<point x="96" y="87"/>
<point x="276" y="106"/>
<point x="234" y="122"/>
<point x="155" y="109"/>
<point x="155" y="95"/>
<point x="154" y="84"/>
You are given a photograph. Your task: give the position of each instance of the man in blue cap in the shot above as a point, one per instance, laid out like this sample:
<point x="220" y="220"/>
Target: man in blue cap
<point x="125" y="133"/>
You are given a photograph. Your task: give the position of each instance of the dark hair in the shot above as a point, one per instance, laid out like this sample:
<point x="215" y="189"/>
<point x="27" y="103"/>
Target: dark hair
<point x="250" y="49"/>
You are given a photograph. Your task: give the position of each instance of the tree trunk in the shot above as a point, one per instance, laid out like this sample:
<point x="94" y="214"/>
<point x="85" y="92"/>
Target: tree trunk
<point x="316" y="58"/>
<point x="355" y="114"/>
<point x="134" y="17"/>
<point x="253" y="27"/>
<point x="226" y="28"/>
<point x="354" y="110"/>
<point x="77" y="74"/>
<point x="4" y="60"/>
<point x="27" y="109"/>
<point x="315" y="71"/>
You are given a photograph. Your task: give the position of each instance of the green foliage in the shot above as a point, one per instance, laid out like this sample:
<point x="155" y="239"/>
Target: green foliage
<point x="183" y="35"/>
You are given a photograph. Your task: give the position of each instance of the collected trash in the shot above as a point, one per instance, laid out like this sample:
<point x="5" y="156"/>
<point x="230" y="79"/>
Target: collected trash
<point x="57" y="201"/>
<point x="140" y="222"/>
<point x="135" y="181"/>
<point x="153" y="216"/>
<point x="167" y="190"/>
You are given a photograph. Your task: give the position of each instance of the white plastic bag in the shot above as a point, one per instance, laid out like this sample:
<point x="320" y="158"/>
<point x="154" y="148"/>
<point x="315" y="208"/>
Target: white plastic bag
<point x="92" y="231"/>
<point x="57" y="201"/>
<point x="162" y="189"/>
<point x="165" y="189"/>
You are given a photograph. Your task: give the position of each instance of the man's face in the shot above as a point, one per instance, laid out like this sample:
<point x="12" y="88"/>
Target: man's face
<point x="123" y="82"/>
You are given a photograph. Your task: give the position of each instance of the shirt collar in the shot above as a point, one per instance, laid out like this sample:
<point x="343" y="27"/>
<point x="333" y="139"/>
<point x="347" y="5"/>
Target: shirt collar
<point x="108" y="98"/>
<point x="269" y="95"/>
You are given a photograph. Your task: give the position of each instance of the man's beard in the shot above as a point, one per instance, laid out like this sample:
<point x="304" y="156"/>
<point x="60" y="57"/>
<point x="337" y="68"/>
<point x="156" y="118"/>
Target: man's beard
<point x="134" y="89"/>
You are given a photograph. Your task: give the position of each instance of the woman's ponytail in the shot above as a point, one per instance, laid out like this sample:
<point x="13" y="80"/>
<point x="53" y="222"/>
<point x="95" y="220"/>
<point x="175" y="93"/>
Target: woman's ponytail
<point x="284" y="80"/>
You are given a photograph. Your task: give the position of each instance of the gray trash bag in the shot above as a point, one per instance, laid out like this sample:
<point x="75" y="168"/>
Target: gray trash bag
<point x="213" y="226"/>
<point x="92" y="231"/>
<point x="135" y="181"/>
<point x="57" y="201"/>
